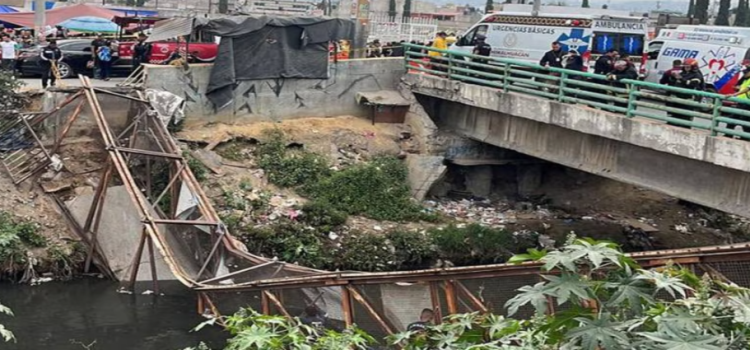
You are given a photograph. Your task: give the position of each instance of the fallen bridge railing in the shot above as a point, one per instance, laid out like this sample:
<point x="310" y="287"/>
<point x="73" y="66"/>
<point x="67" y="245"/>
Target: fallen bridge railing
<point x="383" y="303"/>
<point x="715" y="113"/>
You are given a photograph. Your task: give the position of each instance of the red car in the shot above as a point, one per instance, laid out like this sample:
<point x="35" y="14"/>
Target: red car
<point x="161" y="51"/>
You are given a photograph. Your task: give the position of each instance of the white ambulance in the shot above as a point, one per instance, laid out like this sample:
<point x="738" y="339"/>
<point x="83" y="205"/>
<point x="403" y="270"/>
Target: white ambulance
<point x="720" y="51"/>
<point x="519" y="35"/>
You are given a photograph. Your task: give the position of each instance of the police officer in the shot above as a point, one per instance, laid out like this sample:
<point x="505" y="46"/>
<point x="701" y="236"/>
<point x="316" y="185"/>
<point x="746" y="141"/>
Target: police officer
<point x="51" y="55"/>
<point x="482" y="48"/>
<point x="141" y="51"/>
<point x="606" y="62"/>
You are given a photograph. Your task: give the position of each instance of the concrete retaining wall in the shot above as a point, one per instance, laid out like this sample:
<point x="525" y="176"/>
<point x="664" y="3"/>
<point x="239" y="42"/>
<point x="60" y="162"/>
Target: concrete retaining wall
<point x="687" y="164"/>
<point x="278" y="99"/>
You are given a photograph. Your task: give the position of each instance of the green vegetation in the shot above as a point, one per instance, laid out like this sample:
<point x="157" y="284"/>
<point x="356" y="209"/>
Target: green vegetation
<point x="289" y="241"/>
<point x="309" y="242"/>
<point x="251" y="330"/>
<point x="377" y="189"/>
<point x="199" y="170"/>
<point x="17" y="237"/>
<point x="478" y="245"/>
<point x="289" y="168"/>
<point x="5" y="334"/>
<point x="10" y="99"/>
<point x="604" y="301"/>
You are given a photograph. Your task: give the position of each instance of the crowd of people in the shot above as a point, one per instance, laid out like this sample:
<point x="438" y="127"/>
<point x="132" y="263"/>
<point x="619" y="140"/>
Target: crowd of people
<point x="616" y="68"/>
<point x="683" y="74"/>
<point x="104" y="51"/>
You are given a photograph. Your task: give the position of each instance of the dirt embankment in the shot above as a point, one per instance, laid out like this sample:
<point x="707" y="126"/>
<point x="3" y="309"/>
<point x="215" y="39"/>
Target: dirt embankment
<point x="570" y="201"/>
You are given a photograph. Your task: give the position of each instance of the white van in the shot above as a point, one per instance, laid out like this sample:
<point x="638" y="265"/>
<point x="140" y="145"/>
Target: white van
<point x="720" y="51"/>
<point x="520" y="36"/>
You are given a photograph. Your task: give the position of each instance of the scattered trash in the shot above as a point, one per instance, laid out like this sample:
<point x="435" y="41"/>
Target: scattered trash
<point x="546" y="242"/>
<point x="55" y="163"/>
<point x="122" y="290"/>
<point x="148" y="292"/>
<point x="682" y="228"/>
<point x="38" y="281"/>
<point x="482" y="212"/>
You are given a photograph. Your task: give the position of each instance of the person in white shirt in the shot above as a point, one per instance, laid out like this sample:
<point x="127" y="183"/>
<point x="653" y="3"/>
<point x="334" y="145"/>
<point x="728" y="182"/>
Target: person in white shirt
<point x="9" y="52"/>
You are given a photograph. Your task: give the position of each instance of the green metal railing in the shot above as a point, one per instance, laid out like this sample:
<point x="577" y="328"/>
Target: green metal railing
<point x="699" y="109"/>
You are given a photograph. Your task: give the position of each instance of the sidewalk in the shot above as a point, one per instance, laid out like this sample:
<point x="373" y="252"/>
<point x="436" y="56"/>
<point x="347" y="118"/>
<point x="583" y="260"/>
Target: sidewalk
<point x="36" y="83"/>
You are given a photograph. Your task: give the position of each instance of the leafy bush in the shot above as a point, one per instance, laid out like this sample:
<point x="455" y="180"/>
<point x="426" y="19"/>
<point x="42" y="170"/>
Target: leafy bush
<point x="367" y="252"/>
<point x="16" y="237"/>
<point x="289" y="241"/>
<point x="413" y="250"/>
<point x="378" y="190"/>
<point x="322" y="216"/>
<point x="5" y="334"/>
<point x="253" y="331"/>
<point x="476" y="244"/>
<point x="607" y="303"/>
<point x="287" y="168"/>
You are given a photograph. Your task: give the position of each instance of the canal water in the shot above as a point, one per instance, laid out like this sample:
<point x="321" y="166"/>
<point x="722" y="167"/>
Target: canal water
<point x="62" y="316"/>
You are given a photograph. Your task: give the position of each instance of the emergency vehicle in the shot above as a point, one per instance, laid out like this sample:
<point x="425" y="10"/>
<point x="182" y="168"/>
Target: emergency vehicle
<point x="720" y="51"/>
<point x="520" y="36"/>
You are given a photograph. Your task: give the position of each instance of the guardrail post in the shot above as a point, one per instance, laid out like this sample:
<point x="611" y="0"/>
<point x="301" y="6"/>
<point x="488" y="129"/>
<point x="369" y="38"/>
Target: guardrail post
<point x="716" y="113"/>
<point x="632" y="89"/>
<point x="450" y="65"/>
<point x="506" y="76"/>
<point x="561" y="87"/>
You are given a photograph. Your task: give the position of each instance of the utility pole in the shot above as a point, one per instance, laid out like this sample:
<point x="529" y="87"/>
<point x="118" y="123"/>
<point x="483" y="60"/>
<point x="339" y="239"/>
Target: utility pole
<point x="537" y="7"/>
<point x="39" y="17"/>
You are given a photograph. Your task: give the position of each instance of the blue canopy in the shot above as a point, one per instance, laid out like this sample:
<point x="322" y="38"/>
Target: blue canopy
<point x="136" y="13"/>
<point x="7" y="9"/>
<point x="48" y="5"/>
<point x="89" y="24"/>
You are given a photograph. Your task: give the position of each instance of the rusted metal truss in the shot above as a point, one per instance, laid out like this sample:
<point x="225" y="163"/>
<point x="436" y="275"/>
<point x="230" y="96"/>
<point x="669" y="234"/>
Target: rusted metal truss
<point x="192" y="240"/>
<point x="25" y="154"/>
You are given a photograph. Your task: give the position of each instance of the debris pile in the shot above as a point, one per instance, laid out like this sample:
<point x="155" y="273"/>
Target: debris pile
<point x="482" y="212"/>
<point x="259" y="208"/>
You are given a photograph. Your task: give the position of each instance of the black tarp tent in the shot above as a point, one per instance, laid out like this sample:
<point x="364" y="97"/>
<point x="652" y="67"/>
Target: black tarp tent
<point x="254" y="48"/>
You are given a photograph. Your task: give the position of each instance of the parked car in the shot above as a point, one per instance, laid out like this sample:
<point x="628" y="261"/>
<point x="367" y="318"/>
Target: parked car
<point x="76" y="55"/>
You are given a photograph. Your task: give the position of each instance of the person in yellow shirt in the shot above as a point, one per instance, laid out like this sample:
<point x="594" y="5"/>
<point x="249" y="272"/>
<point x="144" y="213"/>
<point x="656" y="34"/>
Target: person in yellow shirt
<point x="436" y="56"/>
<point x="441" y="43"/>
<point x="744" y="95"/>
